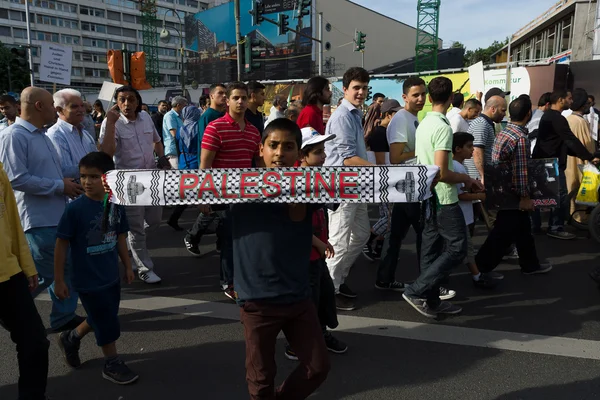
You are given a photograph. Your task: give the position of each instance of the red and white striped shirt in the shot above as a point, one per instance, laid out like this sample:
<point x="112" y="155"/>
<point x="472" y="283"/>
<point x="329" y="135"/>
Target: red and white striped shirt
<point x="235" y="148"/>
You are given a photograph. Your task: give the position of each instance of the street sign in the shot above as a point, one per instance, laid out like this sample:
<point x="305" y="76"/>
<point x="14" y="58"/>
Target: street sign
<point x="55" y="66"/>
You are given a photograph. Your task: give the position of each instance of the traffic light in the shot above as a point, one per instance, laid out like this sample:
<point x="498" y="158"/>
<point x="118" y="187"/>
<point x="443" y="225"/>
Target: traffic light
<point x="19" y="57"/>
<point x="359" y="41"/>
<point x="369" y="93"/>
<point x="257" y="12"/>
<point x="250" y="54"/>
<point x="303" y="8"/>
<point x="283" y="24"/>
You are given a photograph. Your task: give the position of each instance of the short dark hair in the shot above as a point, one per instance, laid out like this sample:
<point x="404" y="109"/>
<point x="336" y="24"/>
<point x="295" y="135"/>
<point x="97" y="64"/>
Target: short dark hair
<point x="98" y="160"/>
<point x="460" y="139"/>
<point x="314" y="90"/>
<point x="472" y="103"/>
<point x="557" y="95"/>
<point x="544" y="99"/>
<point x="412" y="81"/>
<point x="204" y="99"/>
<point x="7" y="98"/>
<point x="458" y="100"/>
<point x="519" y="108"/>
<point x="592" y="97"/>
<point x="254" y="87"/>
<point x="291" y="111"/>
<point x="134" y="91"/>
<point x="286" y="125"/>
<point x="236" y="86"/>
<point x="212" y="87"/>
<point x="355" y="74"/>
<point x="378" y="95"/>
<point x="163" y="101"/>
<point x="440" y="89"/>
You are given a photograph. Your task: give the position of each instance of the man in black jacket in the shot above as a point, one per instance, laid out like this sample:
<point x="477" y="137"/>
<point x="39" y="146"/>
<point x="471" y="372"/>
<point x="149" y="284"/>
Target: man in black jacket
<point x="555" y="140"/>
<point x="157" y="118"/>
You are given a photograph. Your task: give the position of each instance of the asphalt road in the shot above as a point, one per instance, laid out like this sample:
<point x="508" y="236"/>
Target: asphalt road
<point x="533" y="337"/>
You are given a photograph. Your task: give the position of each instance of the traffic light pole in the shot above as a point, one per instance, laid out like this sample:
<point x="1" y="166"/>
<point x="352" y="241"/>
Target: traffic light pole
<point x="236" y="11"/>
<point x="29" y="43"/>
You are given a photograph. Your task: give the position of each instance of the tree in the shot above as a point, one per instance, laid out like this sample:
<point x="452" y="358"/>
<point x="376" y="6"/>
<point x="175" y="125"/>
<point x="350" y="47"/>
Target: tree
<point x="485" y="55"/>
<point x="12" y="76"/>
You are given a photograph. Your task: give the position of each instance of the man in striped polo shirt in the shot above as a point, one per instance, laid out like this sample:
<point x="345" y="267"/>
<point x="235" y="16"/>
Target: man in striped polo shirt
<point x="230" y="142"/>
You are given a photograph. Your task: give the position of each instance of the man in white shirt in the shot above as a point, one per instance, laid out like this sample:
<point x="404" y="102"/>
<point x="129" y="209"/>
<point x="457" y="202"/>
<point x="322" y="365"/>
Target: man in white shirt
<point x="458" y="103"/>
<point x="278" y="109"/>
<point x="460" y="121"/>
<point x="401" y="135"/>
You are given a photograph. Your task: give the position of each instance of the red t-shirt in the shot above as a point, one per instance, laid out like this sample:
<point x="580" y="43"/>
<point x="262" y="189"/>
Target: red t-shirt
<point x="319" y="230"/>
<point x="235" y="148"/>
<point x="312" y="116"/>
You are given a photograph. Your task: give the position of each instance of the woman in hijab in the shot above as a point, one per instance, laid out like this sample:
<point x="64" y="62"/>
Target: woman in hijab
<point x="187" y="138"/>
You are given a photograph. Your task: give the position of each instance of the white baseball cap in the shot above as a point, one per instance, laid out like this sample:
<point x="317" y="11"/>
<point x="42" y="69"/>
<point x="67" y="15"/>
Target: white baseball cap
<point x="311" y="136"/>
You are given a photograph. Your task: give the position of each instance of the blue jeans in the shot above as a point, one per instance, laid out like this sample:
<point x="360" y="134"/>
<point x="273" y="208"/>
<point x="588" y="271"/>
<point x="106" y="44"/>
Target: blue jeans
<point x="559" y="214"/>
<point x="41" y="243"/>
<point x="444" y="246"/>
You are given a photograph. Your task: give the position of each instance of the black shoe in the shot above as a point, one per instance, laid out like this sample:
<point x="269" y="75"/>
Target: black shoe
<point x="484" y="283"/>
<point x="345" y="291"/>
<point x="542" y="269"/>
<point x="344" y="303"/>
<point x="334" y="345"/>
<point x="119" y="373"/>
<point x="70" y="350"/>
<point x="369" y="253"/>
<point x="595" y="275"/>
<point x="72" y="324"/>
<point x="393" y="286"/>
<point x="191" y="248"/>
<point x="175" y="225"/>
<point x="289" y="353"/>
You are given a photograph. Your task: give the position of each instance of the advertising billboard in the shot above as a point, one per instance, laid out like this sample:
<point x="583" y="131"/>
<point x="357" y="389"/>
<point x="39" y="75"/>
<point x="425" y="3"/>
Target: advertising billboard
<point x="210" y="35"/>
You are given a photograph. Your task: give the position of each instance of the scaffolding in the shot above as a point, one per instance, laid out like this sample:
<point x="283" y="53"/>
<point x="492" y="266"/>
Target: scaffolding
<point x="150" y="38"/>
<point x="428" y="21"/>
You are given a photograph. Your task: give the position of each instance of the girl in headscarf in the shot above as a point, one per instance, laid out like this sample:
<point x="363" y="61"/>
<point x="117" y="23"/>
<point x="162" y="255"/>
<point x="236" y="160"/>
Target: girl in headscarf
<point x="187" y="137"/>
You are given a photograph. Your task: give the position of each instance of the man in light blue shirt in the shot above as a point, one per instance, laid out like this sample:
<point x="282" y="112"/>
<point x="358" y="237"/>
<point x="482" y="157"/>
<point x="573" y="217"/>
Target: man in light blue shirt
<point x="349" y="226"/>
<point x="71" y="140"/>
<point x="10" y="109"/>
<point x="171" y="124"/>
<point x="33" y="167"/>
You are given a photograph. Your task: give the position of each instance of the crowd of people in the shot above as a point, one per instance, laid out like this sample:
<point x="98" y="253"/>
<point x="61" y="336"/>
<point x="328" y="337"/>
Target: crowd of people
<point x="286" y="265"/>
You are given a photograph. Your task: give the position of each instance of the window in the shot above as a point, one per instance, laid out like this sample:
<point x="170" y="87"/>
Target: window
<point x="4" y="30"/>
<point x="115" y="16"/>
<point x="192" y="3"/>
<point x="567" y="37"/>
<point x="96" y="73"/>
<point x="56" y="5"/>
<point x="167" y="52"/>
<point x="173" y="78"/>
<point x="551" y="42"/>
<point x="131" y="46"/>
<point x="68" y="39"/>
<point x="167" y="64"/>
<point x="16" y="15"/>
<point x="94" y="42"/>
<point x="77" y="71"/>
<point x="92" y="12"/>
<point x="35" y="51"/>
<point x="86" y="26"/>
<point x="129" y="33"/>
<point x="114" y="30"/>
<point x="45" y="36"/>
<point x="128" y="18"/>
<point x="77" y="56"/>
<point x="115" y="45"/>
<point x="94" y="57"/>
<point x="19" y="33"/>
<point x="3" y="13"/>
<point x="48" y="20"/>
<point x="537" y="52"/>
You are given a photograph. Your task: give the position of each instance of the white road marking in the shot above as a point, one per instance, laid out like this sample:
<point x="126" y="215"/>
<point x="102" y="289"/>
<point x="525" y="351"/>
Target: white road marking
<point x="502" y="340"/>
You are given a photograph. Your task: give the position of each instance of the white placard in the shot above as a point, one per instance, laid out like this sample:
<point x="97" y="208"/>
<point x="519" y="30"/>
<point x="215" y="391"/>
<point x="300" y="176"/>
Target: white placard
<point x="56" y="63"/>
<point x="476" y="77"/>
<point x="107" y="93"/>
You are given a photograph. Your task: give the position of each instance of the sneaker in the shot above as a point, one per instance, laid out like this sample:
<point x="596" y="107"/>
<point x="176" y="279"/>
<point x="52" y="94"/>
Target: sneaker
<point x="70" y="350"/>
<point x="369" y="253"/>
<point x="334" y="345"/>
<point x="543" y="268"/>
<point x="345" y="291"/>
<point x="493" y="275"/>
<point x="560" y="234"/>
<point x="343" y="303"/>
<point x="119" y="373"/>
<point x="393" y="286"/>
<point x="175" y="226"/>
<point x="191" y="248"/>
<point x="420" y="305"/>
<point x="149" y="277"/>
<point x="289" y="353"/>
<point x="485" y="283"/>
<point x="230" y="292"/>
<point x="446" y="294"/>
<point x="512" y="254"/>
<point x="446" y="307"/>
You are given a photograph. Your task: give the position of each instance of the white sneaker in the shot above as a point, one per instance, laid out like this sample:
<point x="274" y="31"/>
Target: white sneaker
<point x="149" y="277"/>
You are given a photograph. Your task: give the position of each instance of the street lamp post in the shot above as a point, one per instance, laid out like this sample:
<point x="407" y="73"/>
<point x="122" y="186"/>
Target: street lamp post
<point x="165" y="37"/>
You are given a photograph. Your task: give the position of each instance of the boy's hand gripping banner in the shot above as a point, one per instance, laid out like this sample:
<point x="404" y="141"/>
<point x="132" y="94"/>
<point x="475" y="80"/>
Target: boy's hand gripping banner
<point x="379" y="184"/>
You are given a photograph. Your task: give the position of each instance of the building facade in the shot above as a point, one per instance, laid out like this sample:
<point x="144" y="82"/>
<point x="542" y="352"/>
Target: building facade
<point x="92" y="28"/>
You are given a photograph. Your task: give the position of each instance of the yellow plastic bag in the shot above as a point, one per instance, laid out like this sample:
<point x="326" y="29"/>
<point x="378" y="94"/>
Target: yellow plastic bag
<point x="588" y="191"/>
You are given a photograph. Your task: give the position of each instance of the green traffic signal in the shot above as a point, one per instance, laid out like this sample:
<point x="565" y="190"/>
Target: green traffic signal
<point x="359" y="41"/>
<point x="257" y="11"/>
<point x="283" y="24"/>
<point x="19" y="57"/>
<point x="250" y="54"/>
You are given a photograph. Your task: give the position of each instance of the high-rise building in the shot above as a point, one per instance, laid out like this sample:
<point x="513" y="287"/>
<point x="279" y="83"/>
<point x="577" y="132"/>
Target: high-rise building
<point x="92" y="28"/>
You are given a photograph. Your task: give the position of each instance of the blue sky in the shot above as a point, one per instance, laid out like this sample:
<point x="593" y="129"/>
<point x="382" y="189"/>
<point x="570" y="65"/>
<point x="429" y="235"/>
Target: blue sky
<point x="476" y="23"/>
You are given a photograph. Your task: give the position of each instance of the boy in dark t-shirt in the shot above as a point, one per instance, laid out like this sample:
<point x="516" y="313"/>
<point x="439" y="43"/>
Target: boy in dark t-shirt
<point x="272" y="244"/>
<point x="96" y="238"/>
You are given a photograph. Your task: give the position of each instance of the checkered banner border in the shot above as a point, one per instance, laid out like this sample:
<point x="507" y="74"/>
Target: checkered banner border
<point x="379" y="184"/>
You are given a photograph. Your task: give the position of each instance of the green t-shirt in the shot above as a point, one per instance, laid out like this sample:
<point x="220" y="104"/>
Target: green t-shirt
<point x="435" y="134"/>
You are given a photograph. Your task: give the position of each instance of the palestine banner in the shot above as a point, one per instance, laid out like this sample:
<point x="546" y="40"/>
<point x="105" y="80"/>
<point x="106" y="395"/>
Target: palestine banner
<point x="543" y="185"/>
<point x="380" y="184"/>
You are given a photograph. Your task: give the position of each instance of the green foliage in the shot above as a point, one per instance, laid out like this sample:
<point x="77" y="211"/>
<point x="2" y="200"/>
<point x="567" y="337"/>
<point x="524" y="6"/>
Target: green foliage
<point x="19" y="76"/>
<point x="485" y="55"/>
